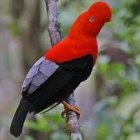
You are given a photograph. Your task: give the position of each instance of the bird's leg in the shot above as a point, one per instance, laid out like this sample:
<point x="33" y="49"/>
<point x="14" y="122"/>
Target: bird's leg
<point x="68" y="108"/>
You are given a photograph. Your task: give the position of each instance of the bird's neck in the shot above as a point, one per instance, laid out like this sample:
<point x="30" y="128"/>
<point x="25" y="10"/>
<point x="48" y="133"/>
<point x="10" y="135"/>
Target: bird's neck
<point x="82" y="40"/>
<point x="84" y="45"/>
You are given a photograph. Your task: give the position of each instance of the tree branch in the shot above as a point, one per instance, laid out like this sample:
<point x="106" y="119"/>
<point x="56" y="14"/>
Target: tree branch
<point x="73" y="123"/>
<point x="54" y="32"/>
<point x="53" y="24"/>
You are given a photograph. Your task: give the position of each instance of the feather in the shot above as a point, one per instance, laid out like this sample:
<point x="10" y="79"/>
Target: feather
<point x="19" y="117"/>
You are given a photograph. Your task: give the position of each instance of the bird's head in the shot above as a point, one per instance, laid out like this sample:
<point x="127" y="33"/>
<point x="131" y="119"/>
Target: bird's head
<point x="91" y="21"/>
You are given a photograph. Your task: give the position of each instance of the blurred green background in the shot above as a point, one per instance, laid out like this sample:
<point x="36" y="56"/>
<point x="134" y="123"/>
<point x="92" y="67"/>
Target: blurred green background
<point x="109" y="101"/>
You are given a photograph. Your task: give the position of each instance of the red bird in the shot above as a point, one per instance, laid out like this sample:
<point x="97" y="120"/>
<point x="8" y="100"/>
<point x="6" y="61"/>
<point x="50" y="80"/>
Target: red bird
<point x="58" y="73"/>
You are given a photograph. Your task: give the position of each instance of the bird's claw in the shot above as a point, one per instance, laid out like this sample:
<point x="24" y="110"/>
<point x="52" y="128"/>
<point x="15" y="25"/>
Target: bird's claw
<point x="68" y="108"/>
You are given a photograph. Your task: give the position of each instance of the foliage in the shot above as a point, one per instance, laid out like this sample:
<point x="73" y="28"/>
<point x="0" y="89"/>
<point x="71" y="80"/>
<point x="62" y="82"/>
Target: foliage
<point x="118" y="122"/>
<point x="51" y="122"/>
<point x="121" y="122"/>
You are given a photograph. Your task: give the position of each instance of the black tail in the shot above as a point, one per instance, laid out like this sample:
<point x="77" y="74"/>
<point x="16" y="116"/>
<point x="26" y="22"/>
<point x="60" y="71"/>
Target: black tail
<point x="19" y="117"/>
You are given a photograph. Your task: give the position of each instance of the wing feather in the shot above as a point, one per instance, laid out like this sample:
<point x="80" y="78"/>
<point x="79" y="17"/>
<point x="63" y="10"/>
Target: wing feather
<point x="38" y="74"/>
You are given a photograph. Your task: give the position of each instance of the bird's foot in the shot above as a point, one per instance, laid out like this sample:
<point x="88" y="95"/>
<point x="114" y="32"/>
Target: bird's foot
<point x="68" y="108"/>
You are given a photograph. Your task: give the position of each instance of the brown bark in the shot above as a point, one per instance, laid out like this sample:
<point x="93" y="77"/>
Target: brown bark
<point x="17" y="8"/>
<point x="32" y="49"/>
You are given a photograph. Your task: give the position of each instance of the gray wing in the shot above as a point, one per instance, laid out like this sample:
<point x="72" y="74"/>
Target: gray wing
<point x="38" y="74"/>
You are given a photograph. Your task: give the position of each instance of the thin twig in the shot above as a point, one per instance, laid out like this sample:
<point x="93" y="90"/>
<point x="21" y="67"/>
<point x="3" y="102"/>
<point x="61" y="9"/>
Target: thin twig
<point x="54" y="32"/>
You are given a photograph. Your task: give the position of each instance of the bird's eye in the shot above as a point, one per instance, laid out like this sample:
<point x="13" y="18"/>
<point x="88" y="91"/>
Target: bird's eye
<point x="91" y="19"/>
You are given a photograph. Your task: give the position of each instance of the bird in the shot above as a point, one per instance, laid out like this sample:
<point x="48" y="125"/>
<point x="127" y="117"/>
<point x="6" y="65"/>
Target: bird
<point x="55" y="76"/>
